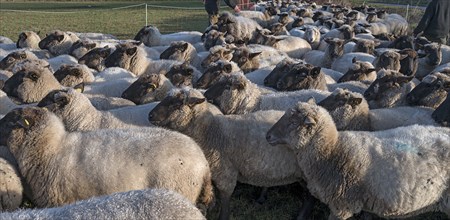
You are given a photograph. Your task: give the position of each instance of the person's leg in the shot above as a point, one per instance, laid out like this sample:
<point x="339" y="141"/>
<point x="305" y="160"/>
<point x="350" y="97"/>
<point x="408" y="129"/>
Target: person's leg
<point x="212" y="7"/>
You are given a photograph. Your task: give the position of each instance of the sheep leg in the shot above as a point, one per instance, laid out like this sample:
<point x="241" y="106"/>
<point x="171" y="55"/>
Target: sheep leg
<point x="225" y="198"/>
<point x="307" y="207"/>
<point x="263" y="196"/>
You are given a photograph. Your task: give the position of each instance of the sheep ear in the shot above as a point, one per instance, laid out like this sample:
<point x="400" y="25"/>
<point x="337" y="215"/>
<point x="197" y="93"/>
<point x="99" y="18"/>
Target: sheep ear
<point x="79" y="88"/>
<point x="184" y="47"/>
<point x="354" y="101"/>
<point x="311" y="101"/>
<point x="253" y="55"/>
<point x="315" y="71"/>
<point x="309" y="121"/>
<point x="240" y="85"/>
<point x="354" y="60"/>
<point x="403" y="56"/>
<point x="60" y="38"/>
<point x="131" y="51"/>
<point x="227" y="68"/>
<point x="192" y="101"/>
<point x="24" y="123"/>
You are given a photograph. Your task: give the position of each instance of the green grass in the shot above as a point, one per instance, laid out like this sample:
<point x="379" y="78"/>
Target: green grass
<point x="98" y="17"/>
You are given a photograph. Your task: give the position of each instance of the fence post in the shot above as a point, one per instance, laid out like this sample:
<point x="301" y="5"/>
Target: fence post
<point x="407" y="12"/>
<point x="146" y="15"/>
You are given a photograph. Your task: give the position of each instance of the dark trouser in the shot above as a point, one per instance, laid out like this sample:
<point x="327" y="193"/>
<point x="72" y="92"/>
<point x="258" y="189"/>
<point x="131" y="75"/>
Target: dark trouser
<point x="212" y="7"/>
<point x="440" y="40"/>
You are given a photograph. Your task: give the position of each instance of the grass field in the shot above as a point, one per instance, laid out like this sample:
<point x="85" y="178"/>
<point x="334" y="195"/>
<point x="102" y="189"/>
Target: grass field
<point x="97" y="16"/>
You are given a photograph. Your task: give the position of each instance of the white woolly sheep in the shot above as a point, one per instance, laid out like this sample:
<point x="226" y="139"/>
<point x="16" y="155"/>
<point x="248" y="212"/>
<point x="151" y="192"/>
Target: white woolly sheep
<point x="58" y="42"/>
<point x="338" y="173"/>
<point x="151" y="36"/>
<point x="123" y="159"/>
<point x="186" y="111"/>
<point x="11" y="189"/>
<point x="137" y="204"/>
<point x="235" y="94"/>
<point x="28" y="39"/>
<point x="388" y="118"/>
<point x="78" y="114"/>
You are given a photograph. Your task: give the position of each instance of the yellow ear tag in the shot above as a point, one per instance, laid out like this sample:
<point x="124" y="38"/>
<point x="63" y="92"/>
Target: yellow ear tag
<point x="26" y="122"/>
<point x="79" y="90"/>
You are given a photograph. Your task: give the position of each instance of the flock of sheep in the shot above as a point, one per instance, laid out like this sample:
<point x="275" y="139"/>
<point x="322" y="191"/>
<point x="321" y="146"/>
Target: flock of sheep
<point x="338" y="99"/>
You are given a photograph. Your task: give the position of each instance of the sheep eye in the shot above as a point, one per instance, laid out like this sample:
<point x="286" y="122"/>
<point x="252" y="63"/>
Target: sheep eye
<point x="34" y="76"/>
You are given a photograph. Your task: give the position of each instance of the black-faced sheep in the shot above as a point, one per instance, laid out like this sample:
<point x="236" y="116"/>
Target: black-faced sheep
<point x="58" y="42"/>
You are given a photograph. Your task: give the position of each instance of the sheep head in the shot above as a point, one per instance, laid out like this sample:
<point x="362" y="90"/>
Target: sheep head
<point x="95" y="58"/>
<point x="73" y="74"/>
<point x="389" y="60"/>
<point x="386" y="84"/>
<point x="180" y="74"/>
<point x="226" y="94"/>
<point x="28" y="39"/>
<point x="80" y="48"/>
<point x="52" y="39"/>
<point x="177" y="110"/>
<point x="123" y="55"/>
<point x="365" y="46"/>
<point x="245" y="59"/>
<point x="31" y="82"/>
<point x="433" y="53"/>
<point x="213" y="74"/>
<point x="217" y="53"/>
<point x="410" y="63"/>
<point x="360" y="71"/>
<point x="12" y="59"/>
<point x="303" y="76"/>
<point x="145" y="89"/>
<point x="280" y="69"/>
<point x="301" y="126"/>
<point x="431" y="92"/>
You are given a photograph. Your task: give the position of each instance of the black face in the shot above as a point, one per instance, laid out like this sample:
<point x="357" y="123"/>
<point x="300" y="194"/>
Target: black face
<point x="18" y="119"/>
<point x="67" y="71"/>
<point x="180" y="75"/>
<point x="10" y="87"/>
<point x="94" y="58"/>
<point x="80" y="44"/>
<point x="442" y="113"/>
<point x="403" y="42"/>
<point x="335" y="101"/>
<point x="145" y="84"/>
<point x="159" y="115"/>
<point x="7" y="124"/>
<point x="300" y="77"/>
<point x="273" y="77"/>
<point x="22" y="37"/>
<point x="216" y="91"/>
<point x="53" y="102"/>
<point x="51" y="39"/>
<point x="12" y="58"/>
<point x="434" y="55"/>
<point x="409" y="65"/>
<point x="382" y="85"/>
<point x="212" y="75"/>
<point x="172" y="50"/>
<point x="140" y="35"/>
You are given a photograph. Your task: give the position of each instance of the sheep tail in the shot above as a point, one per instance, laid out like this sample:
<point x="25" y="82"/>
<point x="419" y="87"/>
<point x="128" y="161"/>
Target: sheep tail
<point x="207" y="194"/>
